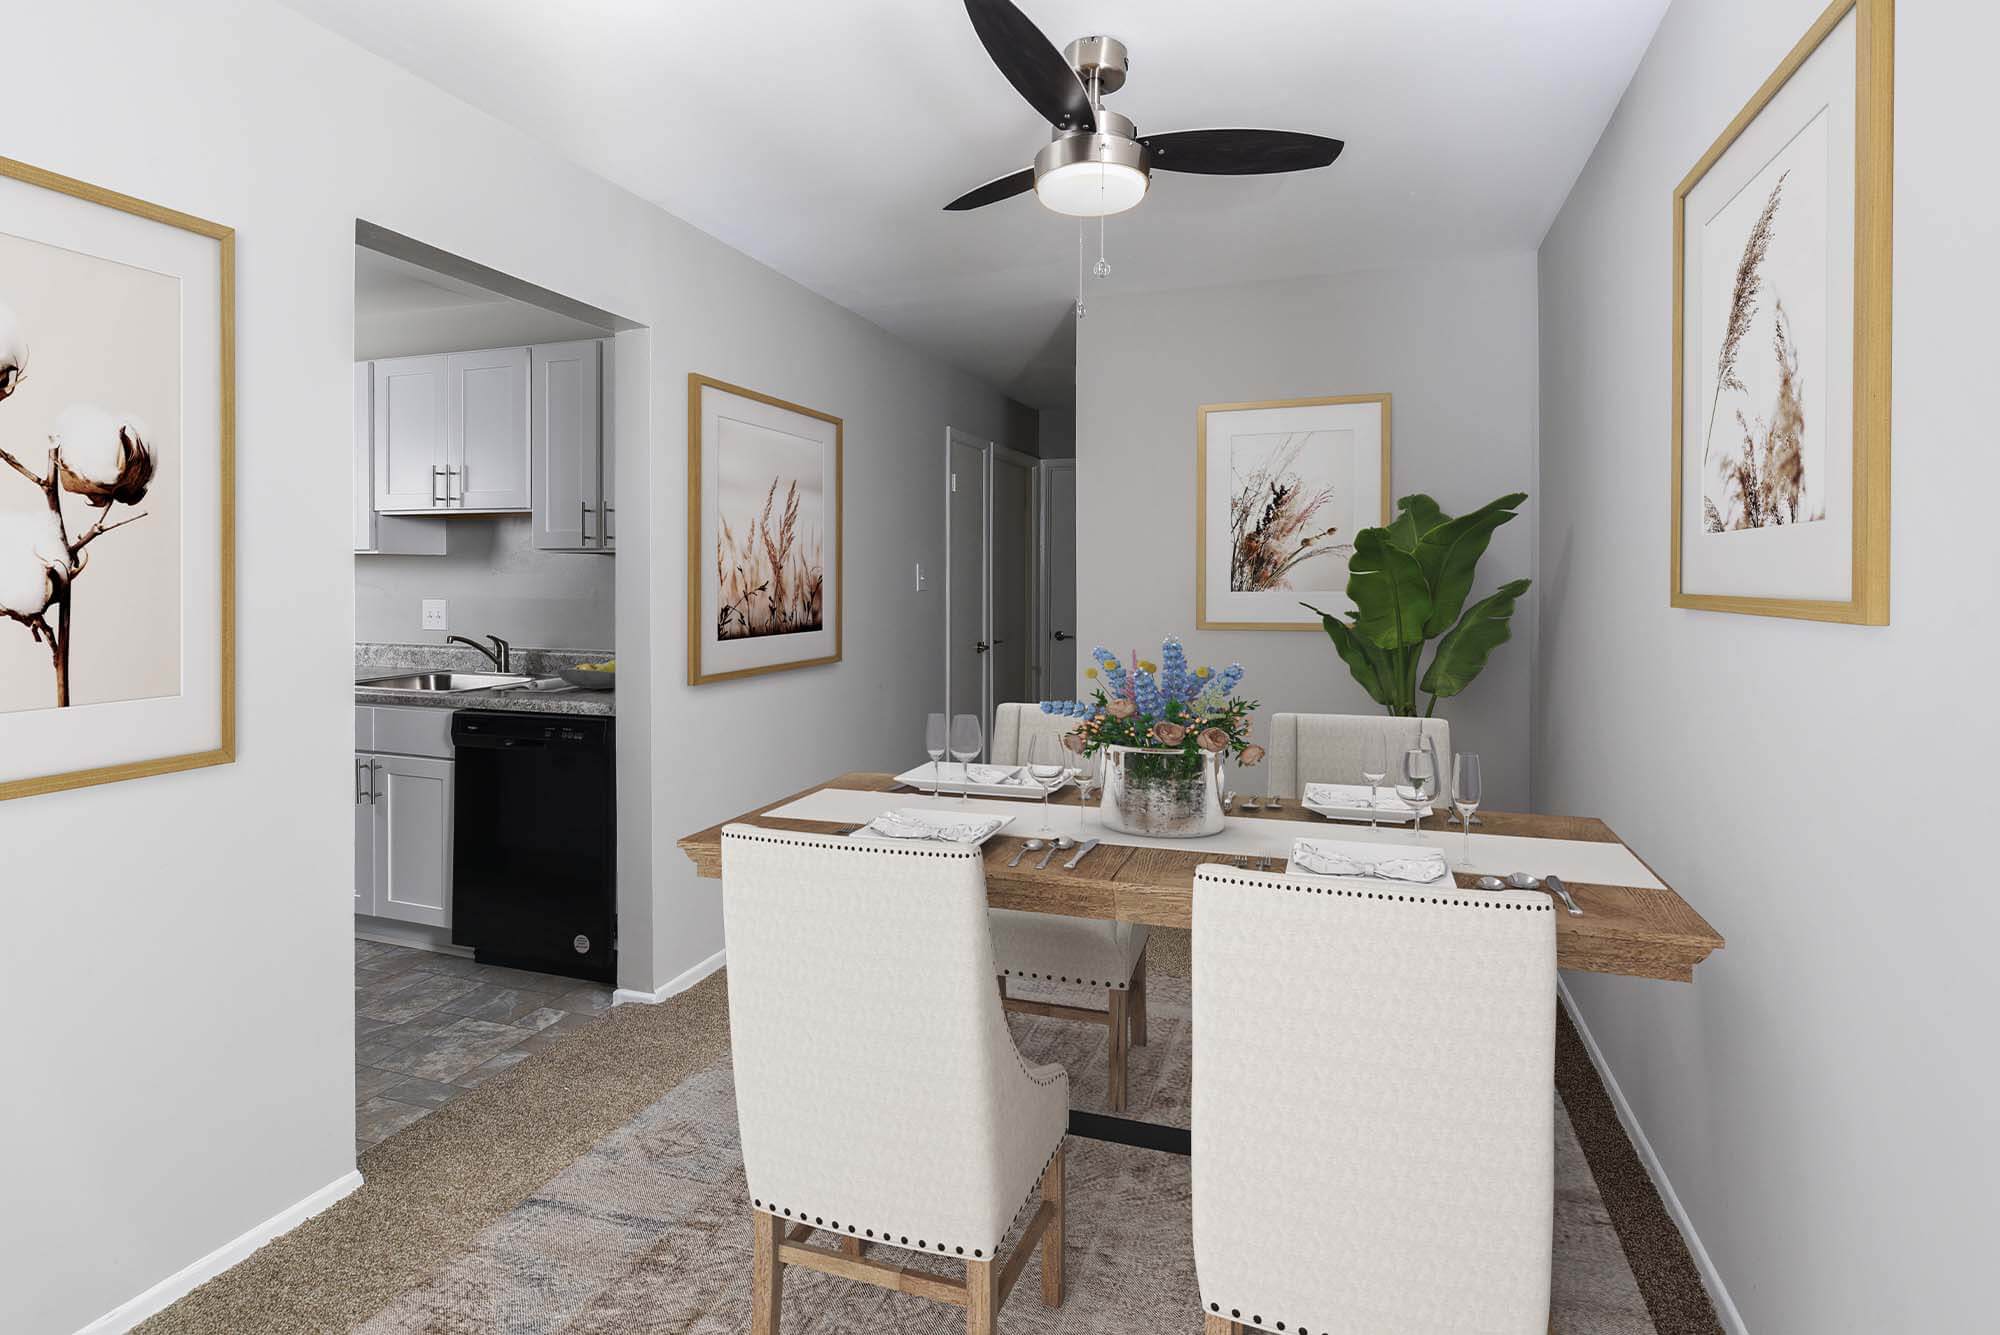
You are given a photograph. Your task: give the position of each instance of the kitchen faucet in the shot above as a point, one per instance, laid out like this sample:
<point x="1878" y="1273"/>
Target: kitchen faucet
<point x="499" y="653"/>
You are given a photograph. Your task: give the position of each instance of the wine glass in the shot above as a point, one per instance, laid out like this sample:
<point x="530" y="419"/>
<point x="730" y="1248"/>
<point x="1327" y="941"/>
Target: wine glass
<point x="966" y="741"/>
<point x="1374" y="768"/>
<point x="935" y="736"/>
<point x="1465" y="795"/>
<point x="1421" y="778"/>
<point x="1048" y="768"/>
<point x="1089" y="771"/>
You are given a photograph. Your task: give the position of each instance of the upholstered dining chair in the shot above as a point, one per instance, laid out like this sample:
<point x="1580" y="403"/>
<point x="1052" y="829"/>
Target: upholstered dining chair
<point x="1326" y="748"/>
<point x="1015" y="726"/>
<point x="1373" y="1114"/>
<point x="1049" y="948"/>
<point x="880" y="1096"/>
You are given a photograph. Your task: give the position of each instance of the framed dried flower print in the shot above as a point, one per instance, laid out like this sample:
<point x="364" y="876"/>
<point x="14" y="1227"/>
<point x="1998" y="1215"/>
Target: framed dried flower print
<point x="763" y="533"/>
<point x="116" y="486"/>
<point x="1281" y="488"/>
<point x="1781" y="339"/>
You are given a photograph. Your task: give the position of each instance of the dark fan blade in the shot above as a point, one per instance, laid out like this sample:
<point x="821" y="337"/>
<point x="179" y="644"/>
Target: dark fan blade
<point x="1240" y="152"/>
<point x="1035" y="68"/>
<point x="995" y="190"/>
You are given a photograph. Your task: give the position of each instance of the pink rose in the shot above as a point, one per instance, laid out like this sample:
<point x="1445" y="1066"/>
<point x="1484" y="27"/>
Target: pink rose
<point x="1073" y="741"/>
<point x="1169" y="734"/>
<point x="1252" y="755"/>
<point x="1212" y="739"/>
<point x="1121" y="708"/>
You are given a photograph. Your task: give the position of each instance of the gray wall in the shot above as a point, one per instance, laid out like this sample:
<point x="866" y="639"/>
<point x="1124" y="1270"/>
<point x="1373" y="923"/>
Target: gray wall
<point x="495" y="583"/>
<point x="1455" y="345"/>
<point x="1058" y="433"/>
<point x="1822" y="1097"/>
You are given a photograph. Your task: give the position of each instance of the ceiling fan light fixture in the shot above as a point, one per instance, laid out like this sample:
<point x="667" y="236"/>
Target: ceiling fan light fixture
<point x="1092" y="175"/>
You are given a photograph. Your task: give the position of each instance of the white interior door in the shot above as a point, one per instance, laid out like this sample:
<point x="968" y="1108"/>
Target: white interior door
<point x="966" y="642"/>
<point x="1056" y="549"/>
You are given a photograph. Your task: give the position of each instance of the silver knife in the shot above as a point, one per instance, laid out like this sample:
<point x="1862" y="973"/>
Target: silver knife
<point x="1555" y="886"/>
<point x="1081" y="849"/>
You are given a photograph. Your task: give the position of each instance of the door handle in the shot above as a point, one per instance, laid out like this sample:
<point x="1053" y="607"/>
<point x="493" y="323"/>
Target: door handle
<point x="980" y="647"/>
<point x="1060" y="636"/>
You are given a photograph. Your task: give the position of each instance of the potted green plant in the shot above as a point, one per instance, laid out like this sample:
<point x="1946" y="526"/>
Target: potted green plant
<point x="1408" y="582"/>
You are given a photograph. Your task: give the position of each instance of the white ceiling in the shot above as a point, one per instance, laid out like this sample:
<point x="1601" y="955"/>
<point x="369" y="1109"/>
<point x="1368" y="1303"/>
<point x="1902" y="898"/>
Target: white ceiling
<point x="824" y="136"/>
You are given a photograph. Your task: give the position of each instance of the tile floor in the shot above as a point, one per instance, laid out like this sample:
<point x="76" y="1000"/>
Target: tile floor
<point x="428" y="1027"/>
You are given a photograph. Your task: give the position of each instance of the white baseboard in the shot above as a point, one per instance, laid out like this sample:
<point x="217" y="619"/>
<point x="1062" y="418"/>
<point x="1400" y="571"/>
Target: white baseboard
<point x="626" y="996"/>
<point x="1711" y="1279"/>
<point x="156" y="1299"/>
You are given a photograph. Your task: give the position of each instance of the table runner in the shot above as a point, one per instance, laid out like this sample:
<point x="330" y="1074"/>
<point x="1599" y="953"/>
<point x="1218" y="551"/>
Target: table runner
<point x="1578" y="861"/>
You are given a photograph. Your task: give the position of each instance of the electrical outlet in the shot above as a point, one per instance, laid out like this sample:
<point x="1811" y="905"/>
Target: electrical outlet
<point x="922" y="583"/>
<point x="434" y="617"/>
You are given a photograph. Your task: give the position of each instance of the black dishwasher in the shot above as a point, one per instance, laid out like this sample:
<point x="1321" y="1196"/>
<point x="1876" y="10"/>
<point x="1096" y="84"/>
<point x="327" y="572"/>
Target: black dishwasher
<point x="534" y="843"/>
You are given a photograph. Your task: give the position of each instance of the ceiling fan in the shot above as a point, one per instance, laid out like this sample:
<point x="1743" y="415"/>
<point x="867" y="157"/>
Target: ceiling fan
<point x="1095" y="162"/>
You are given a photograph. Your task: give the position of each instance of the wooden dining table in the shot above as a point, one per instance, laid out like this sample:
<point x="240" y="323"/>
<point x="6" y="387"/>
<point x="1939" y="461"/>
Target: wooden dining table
<point x="1642" y="931"/>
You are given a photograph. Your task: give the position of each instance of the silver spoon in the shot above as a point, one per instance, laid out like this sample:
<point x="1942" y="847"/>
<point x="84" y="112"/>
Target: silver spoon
<point x="1032" y="846"/>
<point x="1490" y="883"/>
<point x="1064" y="843"/>
<point x="1520" y="880"/>
<point x="1043" y="865"/>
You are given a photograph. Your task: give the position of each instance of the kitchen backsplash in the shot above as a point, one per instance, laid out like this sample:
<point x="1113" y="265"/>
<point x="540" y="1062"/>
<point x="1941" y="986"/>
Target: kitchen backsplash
<point x="459" y="658"/>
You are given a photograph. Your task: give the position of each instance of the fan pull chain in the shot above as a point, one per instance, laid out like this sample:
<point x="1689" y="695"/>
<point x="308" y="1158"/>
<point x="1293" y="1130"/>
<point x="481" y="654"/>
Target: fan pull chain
<point x="1103" y="266"/>
<point x="1080" y="312"/>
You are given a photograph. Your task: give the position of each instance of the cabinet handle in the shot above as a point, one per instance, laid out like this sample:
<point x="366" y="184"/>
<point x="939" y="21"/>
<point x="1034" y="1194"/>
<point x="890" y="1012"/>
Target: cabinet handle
<point x="435" y="470"/>
<point x="449" y="475"/>
<point x="609" y="537"/>
<point x="360" y="785"/>
<point x="583" y="521"/>
<point x="374" y="788"/>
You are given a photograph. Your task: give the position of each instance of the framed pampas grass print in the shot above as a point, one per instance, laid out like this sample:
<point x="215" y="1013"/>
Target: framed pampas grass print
<point x="117" y="537"/>
<point x="1781" y="339"/>
<point x="764" y="554"/>
<point x="1281" y="488"/>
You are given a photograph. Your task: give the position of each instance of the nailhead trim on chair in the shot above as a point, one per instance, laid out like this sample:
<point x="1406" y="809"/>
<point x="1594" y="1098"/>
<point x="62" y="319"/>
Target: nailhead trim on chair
<point x="1236" y="1314"/>
<point x="903" y="1239"/>
<point x="840" y="844"/>
<point x="1052" y="978"/>
<point x="1274" y="883"/>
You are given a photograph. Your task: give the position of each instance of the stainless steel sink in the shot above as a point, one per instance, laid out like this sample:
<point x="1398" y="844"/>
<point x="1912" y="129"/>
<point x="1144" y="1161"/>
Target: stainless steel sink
<point x="433" y="683"/>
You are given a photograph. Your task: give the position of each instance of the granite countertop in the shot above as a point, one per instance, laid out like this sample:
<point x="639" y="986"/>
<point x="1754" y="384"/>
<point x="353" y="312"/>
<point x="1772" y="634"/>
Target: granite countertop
<point x="383" y="660"/>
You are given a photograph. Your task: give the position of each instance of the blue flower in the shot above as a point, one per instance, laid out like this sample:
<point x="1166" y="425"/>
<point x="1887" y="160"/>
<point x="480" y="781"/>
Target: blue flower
<point x="1146" y="694"/>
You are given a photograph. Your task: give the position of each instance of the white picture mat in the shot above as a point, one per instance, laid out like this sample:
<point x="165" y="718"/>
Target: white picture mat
<point x="1356" y="430"/>
<point x="1808" y="561"/>
<point x="719" y="655"/>
<point x="1581" y="861"/>
<point x="36" y="743"/>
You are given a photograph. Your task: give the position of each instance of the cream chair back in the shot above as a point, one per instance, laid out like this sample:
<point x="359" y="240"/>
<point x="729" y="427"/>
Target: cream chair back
<point x="1326" y="748"/>
<point x="879" y="1092"/>
<point x="1016" y="726"/>
<point x="1373" y="1124"/>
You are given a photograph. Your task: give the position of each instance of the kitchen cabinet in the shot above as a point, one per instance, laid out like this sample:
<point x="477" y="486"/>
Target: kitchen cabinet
<point x="486" y="430"/>
<point x="409" y="444"/>
<point x="364" y="835"/>
<point x="375" y="533"/>
<point x="569" y="445"/>
<point x="403" y="814"/>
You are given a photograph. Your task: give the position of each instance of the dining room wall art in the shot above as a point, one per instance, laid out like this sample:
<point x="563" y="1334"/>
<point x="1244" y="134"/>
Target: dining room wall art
<point x="1781" y="339"/>
<point x="1281" y="489"/>
<point x="764" y="533"/>
<point x="116" y="500"/>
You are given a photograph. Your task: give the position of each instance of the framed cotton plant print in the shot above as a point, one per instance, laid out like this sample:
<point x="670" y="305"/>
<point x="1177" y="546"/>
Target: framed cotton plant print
<point x="1281" y="488"/>
<point x="117" y="403"/>
<point x="1781" y="339"/>
<point x="764" y="541"/>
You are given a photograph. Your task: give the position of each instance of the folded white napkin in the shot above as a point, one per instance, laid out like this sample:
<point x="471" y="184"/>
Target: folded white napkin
<point x="1327" y="858"/>
<point x="910" y="824"/>
<point x="1001" y="776"/>
<point x="1354" y="797"/>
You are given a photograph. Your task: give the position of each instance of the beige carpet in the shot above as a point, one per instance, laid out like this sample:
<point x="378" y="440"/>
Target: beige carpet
<point x="597" y="1188"/>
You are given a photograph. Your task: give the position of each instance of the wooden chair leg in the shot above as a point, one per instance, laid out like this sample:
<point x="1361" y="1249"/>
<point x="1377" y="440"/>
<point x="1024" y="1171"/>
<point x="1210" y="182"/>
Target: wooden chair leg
<point x="1053" y="1191"/>
<point x="852" y="1246"/>
<point x="1002" y="980"/>
<point x="1138" y="1004"/>
<point x="767" y="1276"/>
<point x="1221" y="1325"/>
<point x="1121" y="1023"/>
<point x="982" y="1297"/>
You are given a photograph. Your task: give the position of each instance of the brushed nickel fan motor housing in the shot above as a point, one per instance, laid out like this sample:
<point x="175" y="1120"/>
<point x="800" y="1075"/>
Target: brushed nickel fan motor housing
<point x="1112" y="142"/>
<point x="1103" y="56"/>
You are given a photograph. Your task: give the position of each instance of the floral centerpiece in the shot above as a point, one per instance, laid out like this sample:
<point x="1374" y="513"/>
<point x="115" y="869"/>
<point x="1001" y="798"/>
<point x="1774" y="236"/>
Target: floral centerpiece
<point x="1164" y="731"/>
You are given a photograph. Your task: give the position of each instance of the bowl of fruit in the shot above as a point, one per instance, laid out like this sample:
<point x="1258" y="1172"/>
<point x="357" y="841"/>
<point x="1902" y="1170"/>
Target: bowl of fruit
<point x="592" y="676"/>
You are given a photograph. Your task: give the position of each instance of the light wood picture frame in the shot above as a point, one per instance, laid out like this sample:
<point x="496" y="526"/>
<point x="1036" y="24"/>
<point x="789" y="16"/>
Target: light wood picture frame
<point x="1319" y="469"/>
<point x="765" y="541"/>
<point x="1789" y="515"/>
<point x="118" y="365"/>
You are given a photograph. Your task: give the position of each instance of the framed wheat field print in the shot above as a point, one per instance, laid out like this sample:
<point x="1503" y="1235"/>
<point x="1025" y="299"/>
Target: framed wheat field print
<point x="1281" y="488"/>
<point x="117" y="390"/>
<point x="764" y="542"/>
<point x="1781" y="339"/>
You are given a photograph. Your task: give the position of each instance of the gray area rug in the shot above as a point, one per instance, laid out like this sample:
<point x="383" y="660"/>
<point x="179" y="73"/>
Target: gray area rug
<point x="648" y="1232"/>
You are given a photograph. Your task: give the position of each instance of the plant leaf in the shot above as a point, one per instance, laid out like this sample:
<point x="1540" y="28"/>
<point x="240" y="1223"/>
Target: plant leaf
<point x="1419" y="515"/>
<point x="1462" y="653"/>
<point x="1388" y="590"/>
<point x="1449" y="554"/>
<point x="1369" y="665"/>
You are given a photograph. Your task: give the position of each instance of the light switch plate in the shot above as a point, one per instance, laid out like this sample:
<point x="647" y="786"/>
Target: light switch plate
<point x="434" y="617"/>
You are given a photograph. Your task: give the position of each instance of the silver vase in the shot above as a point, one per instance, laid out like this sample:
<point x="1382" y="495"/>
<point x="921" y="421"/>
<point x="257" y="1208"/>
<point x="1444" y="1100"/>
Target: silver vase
<point x="1167" y="794"/>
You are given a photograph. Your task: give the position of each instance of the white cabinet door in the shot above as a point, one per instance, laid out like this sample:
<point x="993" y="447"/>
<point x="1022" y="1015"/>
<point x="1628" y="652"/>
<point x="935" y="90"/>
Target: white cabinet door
<point x="364" y="835"/>
<point x="410" y="422"/>
<point x="487" y="427"/>
<point x="413" y="839"/>
<point x="563" y="436"/>
<point x="364" y="457"/>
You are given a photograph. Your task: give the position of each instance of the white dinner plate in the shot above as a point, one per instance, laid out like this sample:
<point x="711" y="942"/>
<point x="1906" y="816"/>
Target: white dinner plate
<point x="949" y="777"/>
